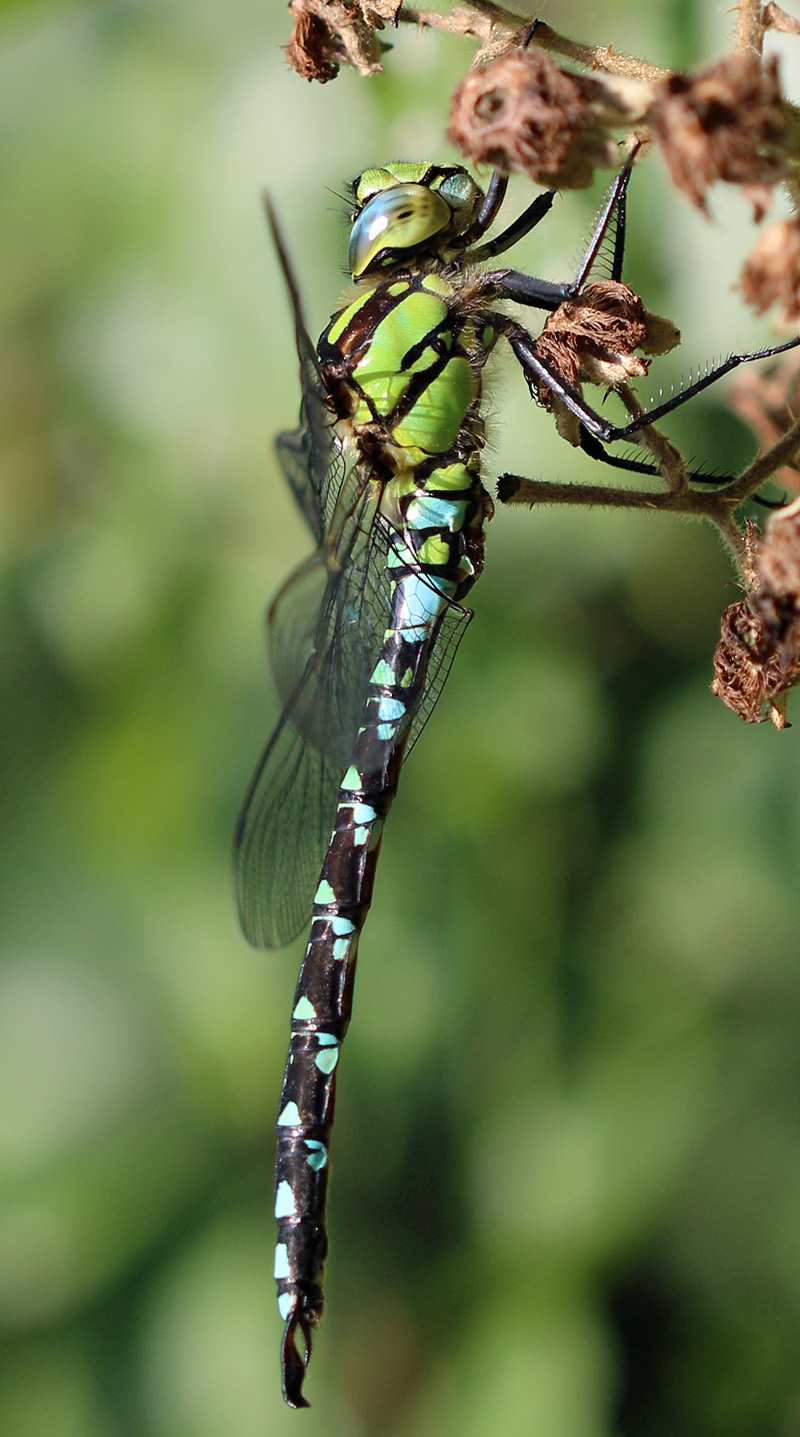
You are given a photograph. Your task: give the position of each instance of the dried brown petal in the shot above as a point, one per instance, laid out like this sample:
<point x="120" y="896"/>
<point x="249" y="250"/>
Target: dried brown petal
<point x="778" y="556"/>
<point x="771" y="273"/>
<point x="521" y="112"/>
<point x="593" y="338"/>
<point x="311" y="49"/>
<point x="777" y="19"/>
<point x="376" y="12"/>
<point x="330" y="33"/>
<point x="723" y="123"/>
<point x="758" y="655"/>
<point x="743" y="677"/>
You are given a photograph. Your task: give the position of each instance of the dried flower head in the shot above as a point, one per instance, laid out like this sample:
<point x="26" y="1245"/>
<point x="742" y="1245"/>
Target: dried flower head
<point x="771" y="273"/>
<point x="330" y="33"/>
<point x="593" y="339"/>
<point x="723" y="123"/>
<point x="757" y="659"/>
<point x="521" y="112"/>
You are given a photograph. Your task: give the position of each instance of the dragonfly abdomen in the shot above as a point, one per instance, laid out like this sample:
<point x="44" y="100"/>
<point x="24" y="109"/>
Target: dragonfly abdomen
<point x="323" y="997"/>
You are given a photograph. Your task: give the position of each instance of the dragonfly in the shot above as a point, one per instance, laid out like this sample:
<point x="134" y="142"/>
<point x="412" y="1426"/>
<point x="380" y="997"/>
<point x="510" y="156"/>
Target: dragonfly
<point x="385" y="466"/>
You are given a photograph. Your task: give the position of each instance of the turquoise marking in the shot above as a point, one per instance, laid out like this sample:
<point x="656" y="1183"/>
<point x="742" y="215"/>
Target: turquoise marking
<point x="286" y="1301"/>
<point x="390" y="709"/>
<point x="342" y="925"/>
<point x="285" y="1204"/>
<point x="360" y="835"/>
<point x="428" y="512"/>
<point x="304" y="1009"/>
<point x="364" y="813"/>
<point x="290" y="1117"/>
<point x="281" y="1268"/>
<point x="327" y="1059"/>
<point x="324" y="893"/>
<point x="317" y="1154"/>
<point x="352" y="779"/>
<point x="326" y="1062"/>
<point x="341" y="948"/>
<point x="424" y="603"/>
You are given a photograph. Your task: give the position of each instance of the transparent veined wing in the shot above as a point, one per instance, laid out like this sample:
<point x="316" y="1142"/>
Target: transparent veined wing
<point x="322" y="636"/>
<point x="309" y="456"/>
<point x="287" y="816"/>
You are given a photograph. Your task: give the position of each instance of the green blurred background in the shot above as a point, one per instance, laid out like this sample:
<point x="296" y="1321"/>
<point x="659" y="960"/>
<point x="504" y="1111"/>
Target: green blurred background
<point x="566" y="1192"/>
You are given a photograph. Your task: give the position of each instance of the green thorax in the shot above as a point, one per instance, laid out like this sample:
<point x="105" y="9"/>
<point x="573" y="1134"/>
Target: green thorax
<point x="402" y="364"/>
<point x="402" y="367"/>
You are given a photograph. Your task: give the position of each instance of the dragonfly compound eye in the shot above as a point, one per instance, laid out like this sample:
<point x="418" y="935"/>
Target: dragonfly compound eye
<point x="398" y="219"/>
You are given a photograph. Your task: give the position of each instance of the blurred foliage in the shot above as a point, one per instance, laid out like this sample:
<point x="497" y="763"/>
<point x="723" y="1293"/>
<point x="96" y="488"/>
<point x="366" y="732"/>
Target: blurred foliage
<point x="566" y="1197"/>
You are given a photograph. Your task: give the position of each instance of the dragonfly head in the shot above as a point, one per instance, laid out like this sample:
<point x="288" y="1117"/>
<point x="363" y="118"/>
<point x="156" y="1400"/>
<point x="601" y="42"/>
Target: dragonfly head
<point x="409" y="208"/>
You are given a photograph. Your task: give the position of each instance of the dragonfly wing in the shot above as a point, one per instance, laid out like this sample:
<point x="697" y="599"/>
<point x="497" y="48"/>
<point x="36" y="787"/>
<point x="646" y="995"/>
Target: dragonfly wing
<point x="281" y="836"/>
<point x="324" y="634"/>
<point x="451" y="630"/>
<point x="324" y="639"/>
<point x="309" y="455"/>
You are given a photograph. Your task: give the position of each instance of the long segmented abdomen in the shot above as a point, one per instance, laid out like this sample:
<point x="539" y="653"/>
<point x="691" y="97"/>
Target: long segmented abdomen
<point x="323" y="998"/>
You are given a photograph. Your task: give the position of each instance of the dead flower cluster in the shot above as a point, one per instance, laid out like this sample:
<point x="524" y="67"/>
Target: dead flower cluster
<point x="522" y="112"/>
<point x="757" y="659"/>
<point x="593" y="339"/>
<point x="724" y="123"/>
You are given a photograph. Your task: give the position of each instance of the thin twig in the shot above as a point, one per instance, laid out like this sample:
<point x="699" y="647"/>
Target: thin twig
<point x="750" y="28"/>
<point x="717" y="507"/>
<point x="496" y="27"/>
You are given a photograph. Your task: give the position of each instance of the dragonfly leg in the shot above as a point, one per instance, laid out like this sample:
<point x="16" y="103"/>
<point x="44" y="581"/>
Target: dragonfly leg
<point x="486" y="216"/>
<point x="536" y="372"/>
<point x="516" y="231"/>
<point x="542" y="294"/>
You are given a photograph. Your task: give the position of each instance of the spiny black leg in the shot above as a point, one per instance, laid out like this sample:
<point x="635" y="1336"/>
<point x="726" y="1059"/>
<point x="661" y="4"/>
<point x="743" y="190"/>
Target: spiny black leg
<point x="651" y="416"/>
<point x="620" y="232"/>
<point x="615" y="200"/>
<point x="527" y="289"/>
<point x="538" y="373"/>
<point x="595" y="450"/>
<point x="516" y="231"/>
<point x="543" y="294"/>
<point x="487" y="214"/>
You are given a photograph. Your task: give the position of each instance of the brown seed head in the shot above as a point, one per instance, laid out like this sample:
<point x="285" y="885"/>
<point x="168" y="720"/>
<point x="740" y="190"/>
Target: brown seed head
<point x="723" y="123"/>
<point x="312" y="50"/>
<point x="521" y="112"/>
<point x="330" y="33"/>
<point x="593" y="338"/>
<point x="771" y="273"/>
<point x="757" y="659"/>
